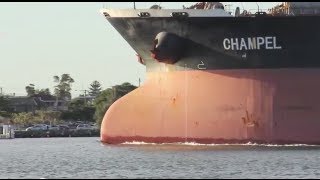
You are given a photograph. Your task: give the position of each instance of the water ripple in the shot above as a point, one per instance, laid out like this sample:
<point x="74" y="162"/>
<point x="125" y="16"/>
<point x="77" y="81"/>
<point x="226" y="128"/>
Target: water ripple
<point x="47" y="158"/>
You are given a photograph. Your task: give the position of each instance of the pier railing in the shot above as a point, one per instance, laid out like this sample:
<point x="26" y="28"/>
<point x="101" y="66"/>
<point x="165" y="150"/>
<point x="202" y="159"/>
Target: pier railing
<point x="278" y="11"/>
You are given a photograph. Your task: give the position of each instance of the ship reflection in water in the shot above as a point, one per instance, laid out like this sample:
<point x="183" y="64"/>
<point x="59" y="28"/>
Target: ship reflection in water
<point x="86" y="158"/>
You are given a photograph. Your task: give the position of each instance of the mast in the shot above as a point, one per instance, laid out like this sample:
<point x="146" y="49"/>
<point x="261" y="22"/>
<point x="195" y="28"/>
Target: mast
<point x="258" y="7"/>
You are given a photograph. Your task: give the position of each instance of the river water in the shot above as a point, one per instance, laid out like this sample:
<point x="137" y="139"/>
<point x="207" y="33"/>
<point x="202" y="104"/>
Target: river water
<point x="89" y="158"/>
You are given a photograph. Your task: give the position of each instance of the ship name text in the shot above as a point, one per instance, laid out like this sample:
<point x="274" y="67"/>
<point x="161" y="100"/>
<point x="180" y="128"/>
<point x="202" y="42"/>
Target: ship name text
<point x="251" y="43"/>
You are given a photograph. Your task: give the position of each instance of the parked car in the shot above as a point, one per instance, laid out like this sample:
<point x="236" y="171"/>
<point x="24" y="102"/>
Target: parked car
<point x="84" y="126"/>
<point x="63" y="127"/>
<point x="38" y="127"/>
<point x="53" y="127"/>
<point x="94" y="127"/>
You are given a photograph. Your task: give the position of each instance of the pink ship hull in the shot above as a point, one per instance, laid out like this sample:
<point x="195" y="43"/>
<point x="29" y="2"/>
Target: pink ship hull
<point x="219" y="106"/>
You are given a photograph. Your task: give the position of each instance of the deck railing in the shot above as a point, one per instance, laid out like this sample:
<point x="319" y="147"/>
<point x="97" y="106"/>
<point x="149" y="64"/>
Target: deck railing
<point x="279" y="11"/>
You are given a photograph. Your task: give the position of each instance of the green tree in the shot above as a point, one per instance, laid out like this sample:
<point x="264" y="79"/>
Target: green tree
<point x="63" y="88"/>
<point x="107" y="97"/>
<point x="78" y="110"/>
<point x="39" y="95"/>
<point x="30" y="90"/>
<point x="5" y="114"/>
<point x="95" y="88"/>
<point x="44" y="117"/>
<point x="5" y="104"/>
<point x="43" y="92"/>
<point x="123" y="89"/>
<point x="5" y="110"/>
<point x="48" y="117"/>
<point x="102" y="102"/>
<point x="25" y="119"/>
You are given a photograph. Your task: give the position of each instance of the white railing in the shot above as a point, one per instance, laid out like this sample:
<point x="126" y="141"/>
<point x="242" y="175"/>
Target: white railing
<point x="283" y="11"/>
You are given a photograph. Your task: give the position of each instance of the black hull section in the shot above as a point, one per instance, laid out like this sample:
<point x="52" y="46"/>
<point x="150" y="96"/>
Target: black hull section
<point x="289" y="42"/>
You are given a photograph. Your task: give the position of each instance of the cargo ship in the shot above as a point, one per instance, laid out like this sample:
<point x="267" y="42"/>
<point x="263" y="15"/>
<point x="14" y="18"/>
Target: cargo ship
<point x="215" y="76"/>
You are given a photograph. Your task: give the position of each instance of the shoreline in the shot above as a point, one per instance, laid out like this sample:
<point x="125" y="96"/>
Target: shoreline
<point x="53" y="133"/>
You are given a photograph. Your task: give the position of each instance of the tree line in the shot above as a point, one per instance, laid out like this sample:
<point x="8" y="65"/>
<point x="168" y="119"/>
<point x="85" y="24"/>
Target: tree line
<point x="79" y="109"/>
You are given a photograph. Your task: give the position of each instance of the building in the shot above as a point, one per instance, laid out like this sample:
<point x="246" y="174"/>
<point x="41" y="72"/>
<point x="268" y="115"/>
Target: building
<point x="53" y="104"/>
<point x="31" y="104"/>
<point x="88" y="100"/>
<point x="22" y="103"/>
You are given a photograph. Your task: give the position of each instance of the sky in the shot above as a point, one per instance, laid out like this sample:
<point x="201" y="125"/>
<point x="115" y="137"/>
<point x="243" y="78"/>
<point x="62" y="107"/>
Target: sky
<point x="41" y="40"/>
